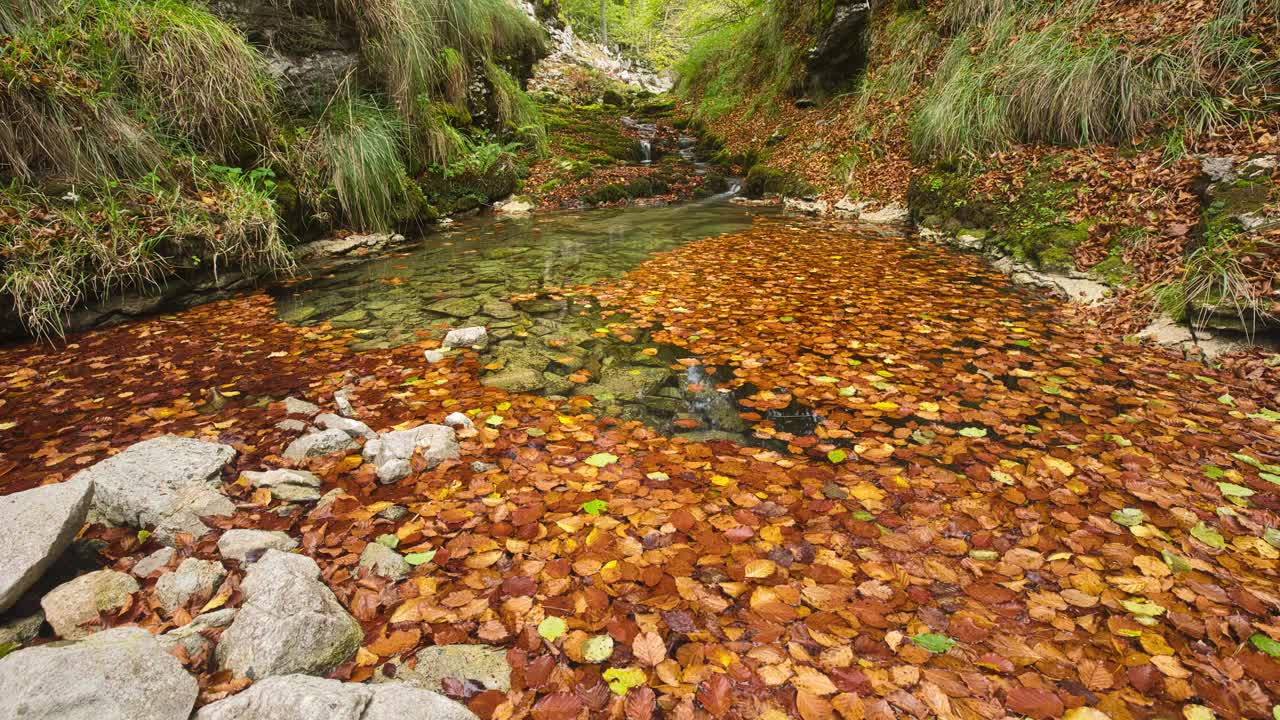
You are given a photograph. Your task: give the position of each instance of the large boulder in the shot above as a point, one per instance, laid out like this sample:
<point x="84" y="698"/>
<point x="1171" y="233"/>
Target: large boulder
<point x="290" y="622"/>
<point x="118" y="674"/>
<point x="75" y="604"/>
<point x="299" y="697"/>
<point x="36" y="526"/>
<point x="393" y="452"/>
<point x="166" y="483"/>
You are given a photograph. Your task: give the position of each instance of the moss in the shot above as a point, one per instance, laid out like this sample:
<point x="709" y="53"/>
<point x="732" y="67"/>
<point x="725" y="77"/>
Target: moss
<point x="942" y="199"/>
<point x="1113" y="271"/>
<point x="763" y="180"/>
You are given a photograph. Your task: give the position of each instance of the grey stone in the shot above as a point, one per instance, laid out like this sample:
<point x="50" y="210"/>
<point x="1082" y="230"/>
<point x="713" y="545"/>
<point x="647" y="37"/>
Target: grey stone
<point x="888" y="215"/>
<point x="287" y="484"/>
<point x="482" y="663"/>
<point x="192" y="636"/>
<point x="467" y="337"/>
<point x="393" y="471"/>
<point x="242" y="544"/>
<point x="192" y="578"/>
<point x="517" y="379"/>
<point x="342" y="400"/>
<point x="1218" y="168"/>
<point x="36" y="526"/>
<point x="118" y="674"/>
<point x="290" y="622"/>
<point x="344" y="245"/>
<point x="166" y="483"/>
<point x="291" y="425"/>
<point x="482" y="467"/>
<point x="153" y="562"/>
<point x="353" y="428"/>
<point x="299" y="697"/>
<point x="294" y="406"/>
<point x="319" y="444"/>
<point x="384" y="562"/>
<point x="394" y="513"/>
<point x="21" y="630"/>
<point x="74" y="604"/>
<point x="433" y="356"/>
<point x="392" y="452"/>
<point x="458" y="420"/>
<point x="455" y="307"/>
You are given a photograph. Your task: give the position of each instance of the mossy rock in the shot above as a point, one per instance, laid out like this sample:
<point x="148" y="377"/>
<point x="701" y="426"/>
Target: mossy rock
<point x="763" y="180"/>
<point x="942" y="199"/>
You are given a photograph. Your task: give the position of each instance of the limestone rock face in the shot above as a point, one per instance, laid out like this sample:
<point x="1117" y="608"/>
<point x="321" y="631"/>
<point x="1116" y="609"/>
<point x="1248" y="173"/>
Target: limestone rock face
<point x="290" y="622"/>
<point x="299" y="697"/>
<point x="36" y="526"/>
<point x="166" y="484"/>
<point x="72" y="605"/>
<point x="118" y="674"/>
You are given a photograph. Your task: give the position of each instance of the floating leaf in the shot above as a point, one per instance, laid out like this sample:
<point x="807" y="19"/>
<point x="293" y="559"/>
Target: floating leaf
<point x="1265" y="644"/>
<point x="552" y="628"/>
<point x="597" y="648"/>
<point x="973" y="432"/>
<point x="601" y="459"/>
<point x="623" y="679"/>
<point x="595" y="507"/>
<point x="389" y="540"/>
<point x="420" y="558"/>
<point x="934" y="642"/>
<point x="1233" y="490"/>
<point x="1208" y="536"/>
<point x="494" y="420"/>
<point x="837" y="456"/>
<point x="1128" y="517"/>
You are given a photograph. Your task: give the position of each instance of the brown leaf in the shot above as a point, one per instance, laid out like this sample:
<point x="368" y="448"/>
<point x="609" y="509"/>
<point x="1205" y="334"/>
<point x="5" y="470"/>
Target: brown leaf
<point x="649" y="648"/>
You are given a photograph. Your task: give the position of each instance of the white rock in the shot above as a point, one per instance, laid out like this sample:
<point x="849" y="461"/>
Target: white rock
<point x="290" y="622"/>
<point x="888" y="215"/>
<point x="193" y="577"/>
<point x="353" y="428"/>
<point x="166" y="483"/>
<point x="153" y="562"/>
<point x="192" y="636"/>
<point x="342" y="399"/>
<point x="119" y="674"/>
<point x="244" y="544"/>
<point x="384" y="562"/>
<point x="467" y="337"/>
<point x="484" y="664"/>
<point x="287" y="484"/>
<point x="294" y="406"/>
<point x="36" y="526"/>
<point x="299" y="697"/>
<point x="458" y="420"/>
<point x="436" y="443"/>
<point x="319" y="444"/>
<point x="433" y="356"/>
<point x="514" y="206"/>
<point x="72" y="605"/>
<point x="808" y="207"/>
<point x="393" y="471"/>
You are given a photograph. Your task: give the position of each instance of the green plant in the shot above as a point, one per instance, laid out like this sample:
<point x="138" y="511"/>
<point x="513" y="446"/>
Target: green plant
<point x="362" y="148"/>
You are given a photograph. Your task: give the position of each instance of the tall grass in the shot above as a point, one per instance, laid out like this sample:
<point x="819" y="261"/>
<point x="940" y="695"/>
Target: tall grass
<point x="742" y="60"/>
<point x="363" y="146"/>
<point x="909" y="40"/>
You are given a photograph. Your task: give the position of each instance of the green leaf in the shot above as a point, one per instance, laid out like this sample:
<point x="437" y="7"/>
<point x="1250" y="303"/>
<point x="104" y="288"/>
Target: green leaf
<point x="552" y="628"/>
<point x="1267" y="414"/>
<point x="421" y="558"/>
<point x="6" y="648"/>
<point x="973" y="432"/>
<point x="389" y="540"/>
<point x="1128" y="517"/>
<point x="825" y="380"/>
<point x="659" y="476"/>
<point x="601" y="459"/>
<point x="1272" y="536"/>
<point x="1031" y="429"/>
<point x="1233" y="490"/>
<point x="595" y="507"/>
<point x="1265" y="644"/>
<point x="837" y="456"/>
<point x="1208" y="535"/>
<point x="1270" y="477"/>
<point x="1051" y="389"/>
<point x="535" y="432"/>
<point x="864" y="516"/>
<point x="597" y="648"/>
<point x="934" y="642"/>
<point x="1175" y="562"/>
<point x="622" y="680"/>
<point x="848" y="391"/>
<point x="143" y="535"/>
<point x="1227" y="400"/>
<point x="1213" y="472"/>
<point x="1143" y="607"/>
<point x="494" y="420"/>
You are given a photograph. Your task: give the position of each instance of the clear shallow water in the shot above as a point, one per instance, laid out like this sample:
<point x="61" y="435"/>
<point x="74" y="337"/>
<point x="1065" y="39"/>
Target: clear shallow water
<point x="502" y="273"/>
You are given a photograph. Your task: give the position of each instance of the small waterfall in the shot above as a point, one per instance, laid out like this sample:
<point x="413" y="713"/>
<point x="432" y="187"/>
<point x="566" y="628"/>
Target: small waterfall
<point x="646" y="152"/>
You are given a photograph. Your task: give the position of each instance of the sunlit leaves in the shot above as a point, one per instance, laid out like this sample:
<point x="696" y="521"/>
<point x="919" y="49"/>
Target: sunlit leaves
<point x="623" y="679"/>
<point x="601" y="460"/>
<point x="837" y="456"/>
<point x="1208" y="535"/>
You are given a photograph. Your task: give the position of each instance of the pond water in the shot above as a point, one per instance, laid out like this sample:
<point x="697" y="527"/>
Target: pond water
<point x="510" y="276"/>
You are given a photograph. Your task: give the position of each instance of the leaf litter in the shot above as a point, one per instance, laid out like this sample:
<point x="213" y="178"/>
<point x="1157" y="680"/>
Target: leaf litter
<point x="949" y="541"/>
